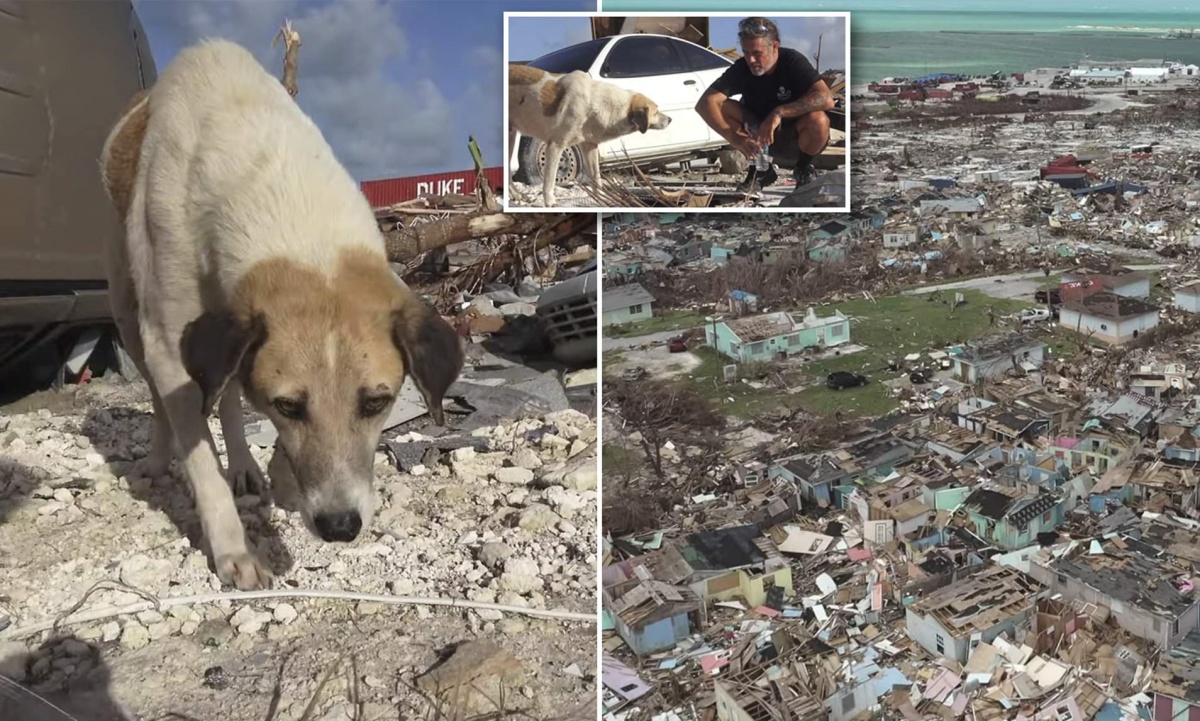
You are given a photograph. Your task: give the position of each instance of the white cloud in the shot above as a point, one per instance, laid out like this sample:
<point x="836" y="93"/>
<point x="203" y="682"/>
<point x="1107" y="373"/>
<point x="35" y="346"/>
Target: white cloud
<point x="378" y="125"/>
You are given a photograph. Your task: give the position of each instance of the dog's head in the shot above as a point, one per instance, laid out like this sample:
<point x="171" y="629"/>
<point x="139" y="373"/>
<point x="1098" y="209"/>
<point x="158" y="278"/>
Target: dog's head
<point x="644" y="114"/>
<point x="324" y="358"/>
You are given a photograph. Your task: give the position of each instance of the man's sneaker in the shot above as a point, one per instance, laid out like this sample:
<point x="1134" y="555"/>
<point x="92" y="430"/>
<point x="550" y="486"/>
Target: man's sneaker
<point x="763" y="179"/>
<point x="804" y="175"/>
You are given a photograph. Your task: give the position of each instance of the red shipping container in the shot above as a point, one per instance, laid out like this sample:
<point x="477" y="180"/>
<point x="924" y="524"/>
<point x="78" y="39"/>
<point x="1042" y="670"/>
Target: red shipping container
<point x="1050" y="170"/>
<point x="397" y="190"/>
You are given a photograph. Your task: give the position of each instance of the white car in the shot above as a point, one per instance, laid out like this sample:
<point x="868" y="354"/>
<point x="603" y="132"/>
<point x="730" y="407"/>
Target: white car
<point x="671" y="72"/>
<point x="1034" y="315"/>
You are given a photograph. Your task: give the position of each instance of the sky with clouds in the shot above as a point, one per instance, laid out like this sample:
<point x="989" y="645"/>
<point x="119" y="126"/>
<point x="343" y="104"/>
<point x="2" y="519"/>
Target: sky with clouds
<point x="396" y="87"/>
<point x="531" y="37"/>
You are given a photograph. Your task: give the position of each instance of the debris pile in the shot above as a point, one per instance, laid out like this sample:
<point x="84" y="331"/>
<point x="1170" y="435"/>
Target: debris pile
<point x="966" y="488"/>
<point x="494" y="512"/>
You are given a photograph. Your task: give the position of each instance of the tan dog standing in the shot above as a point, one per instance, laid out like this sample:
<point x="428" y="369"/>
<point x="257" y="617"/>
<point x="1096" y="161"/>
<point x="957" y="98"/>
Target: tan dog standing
<point x="573" y="109"/>
<point x="253" y="264"/>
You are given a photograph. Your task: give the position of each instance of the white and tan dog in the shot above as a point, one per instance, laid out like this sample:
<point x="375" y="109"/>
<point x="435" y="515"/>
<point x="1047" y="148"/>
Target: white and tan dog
<point x="252" y="263"/>
<point x="573" y="109"/>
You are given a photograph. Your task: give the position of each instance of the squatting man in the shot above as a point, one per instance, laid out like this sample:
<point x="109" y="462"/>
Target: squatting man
<point x="782" y="110"/>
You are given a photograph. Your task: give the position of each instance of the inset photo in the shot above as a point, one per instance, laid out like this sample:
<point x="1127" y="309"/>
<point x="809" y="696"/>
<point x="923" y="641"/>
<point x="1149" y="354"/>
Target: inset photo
<point x="721" y="112"/>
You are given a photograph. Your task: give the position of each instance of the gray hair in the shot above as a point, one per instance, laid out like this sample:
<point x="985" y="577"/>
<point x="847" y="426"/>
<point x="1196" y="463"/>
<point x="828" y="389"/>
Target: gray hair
<point x="756" y="27"/>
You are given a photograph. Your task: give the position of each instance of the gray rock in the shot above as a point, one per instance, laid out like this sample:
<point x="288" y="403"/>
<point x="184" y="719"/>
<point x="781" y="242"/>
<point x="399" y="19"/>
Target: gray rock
<point x="494" y="553"/>
<point x="146" y="573"/>
<point x="135" y="636"/>
<point x="511" y="309"/>
<point x="214" y="632"/>
<point x="514" y="476"/>
<point x="581" y="479"/>
<point x="538" y="517"/>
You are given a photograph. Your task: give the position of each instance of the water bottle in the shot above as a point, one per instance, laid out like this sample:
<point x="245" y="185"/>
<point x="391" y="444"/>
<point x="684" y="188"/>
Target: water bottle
<point x="762" y="161"/>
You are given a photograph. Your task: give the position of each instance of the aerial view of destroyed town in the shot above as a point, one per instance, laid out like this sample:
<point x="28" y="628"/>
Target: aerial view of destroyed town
<point x="937" y="457"/>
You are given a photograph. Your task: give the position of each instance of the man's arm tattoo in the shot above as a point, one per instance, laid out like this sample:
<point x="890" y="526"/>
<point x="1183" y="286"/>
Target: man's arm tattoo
<point x="818" y="97"/>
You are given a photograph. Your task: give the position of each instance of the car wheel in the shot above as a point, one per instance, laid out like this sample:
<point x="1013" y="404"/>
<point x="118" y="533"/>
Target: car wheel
<point x="532" y="155"/>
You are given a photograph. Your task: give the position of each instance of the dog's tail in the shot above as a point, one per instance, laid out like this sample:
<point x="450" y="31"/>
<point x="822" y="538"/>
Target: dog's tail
<point x="122" y="150"/>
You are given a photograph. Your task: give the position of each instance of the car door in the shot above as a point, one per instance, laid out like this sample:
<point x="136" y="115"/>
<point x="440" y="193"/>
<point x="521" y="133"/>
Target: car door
<point x="707" y="66"/>
<point x="651" y="65"/>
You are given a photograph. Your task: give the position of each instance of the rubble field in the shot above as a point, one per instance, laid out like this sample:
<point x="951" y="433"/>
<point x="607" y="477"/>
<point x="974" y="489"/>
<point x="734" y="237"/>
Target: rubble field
<point x="502" y="515"/>
<point x="983" y="503"/>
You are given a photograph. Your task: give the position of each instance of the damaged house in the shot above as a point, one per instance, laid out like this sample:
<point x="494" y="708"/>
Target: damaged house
<point x="1109" y="317"/>
<point x="1012" y="518"/>
<point x="977" y="608"/>
<point x="770" y="336"/>
<point x="729" y="563"/>
<point x="1151" y="595"/>
<point x="995" y="358"/>
<point x="826" y="478"/>
<point x="651" y="615"/>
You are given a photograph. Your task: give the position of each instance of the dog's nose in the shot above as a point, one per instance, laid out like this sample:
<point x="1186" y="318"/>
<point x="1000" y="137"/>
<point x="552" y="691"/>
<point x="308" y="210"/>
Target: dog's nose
<point x="338" y="526"/>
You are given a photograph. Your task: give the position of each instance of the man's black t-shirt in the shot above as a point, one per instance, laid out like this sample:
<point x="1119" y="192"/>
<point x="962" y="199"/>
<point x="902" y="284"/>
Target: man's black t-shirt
<point x="792" y="77"/>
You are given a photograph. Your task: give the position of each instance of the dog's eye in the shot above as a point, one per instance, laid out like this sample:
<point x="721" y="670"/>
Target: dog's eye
<point x="374" y="406"/>
<point x="291" y="408"/>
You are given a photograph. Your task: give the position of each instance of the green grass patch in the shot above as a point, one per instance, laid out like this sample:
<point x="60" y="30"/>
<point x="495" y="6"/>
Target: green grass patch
<point x="669" y="320"/>
<point x="898" y="325"/>
<point x="890" y="327"/>
<point x="733" y="398"/>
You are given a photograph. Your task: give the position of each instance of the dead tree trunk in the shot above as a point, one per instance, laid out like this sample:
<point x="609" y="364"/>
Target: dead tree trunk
<point x="405" y="244"/>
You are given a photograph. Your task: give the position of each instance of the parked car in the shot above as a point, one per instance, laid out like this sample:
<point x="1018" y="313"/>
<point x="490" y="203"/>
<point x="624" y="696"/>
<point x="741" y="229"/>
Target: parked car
<point x="840" y="380"/>
<point x="671" y="72"/>
<point x="1033" y="315"/>
<point x="1055" y="296"/>
<point x="677" y="344"/>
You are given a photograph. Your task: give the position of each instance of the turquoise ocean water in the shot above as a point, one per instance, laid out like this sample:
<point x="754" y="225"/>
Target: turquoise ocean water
<point x="982" y="36"/>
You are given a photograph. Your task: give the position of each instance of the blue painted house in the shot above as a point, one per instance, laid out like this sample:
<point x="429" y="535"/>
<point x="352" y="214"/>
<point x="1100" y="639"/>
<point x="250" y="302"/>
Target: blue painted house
<point x="1011" y="521"/>
<point x="651" y="616"/>
<point x="620" y="265"/>
<point x="827" y="479"/>
<point x="827" y="249"/>
<point x="832" y="229"/>
<point x="769" y="336"/>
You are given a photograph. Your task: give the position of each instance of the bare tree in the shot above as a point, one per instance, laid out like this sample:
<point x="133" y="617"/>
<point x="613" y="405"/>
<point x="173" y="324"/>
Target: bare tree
<point x="659" y="411"/>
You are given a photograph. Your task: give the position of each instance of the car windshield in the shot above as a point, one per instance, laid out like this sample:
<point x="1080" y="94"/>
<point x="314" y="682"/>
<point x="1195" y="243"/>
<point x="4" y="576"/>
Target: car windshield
<point x="569" y="59"/>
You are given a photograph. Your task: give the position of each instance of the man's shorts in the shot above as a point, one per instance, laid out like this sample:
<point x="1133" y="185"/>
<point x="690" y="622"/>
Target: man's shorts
<point x="785" y="146"/>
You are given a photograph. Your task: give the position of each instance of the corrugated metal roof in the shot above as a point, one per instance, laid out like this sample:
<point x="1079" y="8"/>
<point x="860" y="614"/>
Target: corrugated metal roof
<point x="625" y="296"/>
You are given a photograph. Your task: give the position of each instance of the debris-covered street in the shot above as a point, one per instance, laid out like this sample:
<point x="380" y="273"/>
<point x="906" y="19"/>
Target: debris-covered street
<point x="934" y="458"/>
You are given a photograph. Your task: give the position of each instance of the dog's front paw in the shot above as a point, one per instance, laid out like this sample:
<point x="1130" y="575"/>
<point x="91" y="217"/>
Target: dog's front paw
<point x="245" y="477"/>
<point x="243" y="570"/>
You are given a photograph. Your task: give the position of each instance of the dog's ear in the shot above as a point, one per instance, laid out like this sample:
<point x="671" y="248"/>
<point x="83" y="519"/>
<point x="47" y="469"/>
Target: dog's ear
<point x="432" y="352"/>
<point x="639" y="115"/>
<point x="213" y="348"/>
